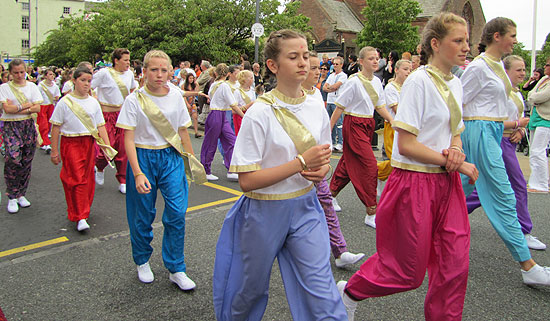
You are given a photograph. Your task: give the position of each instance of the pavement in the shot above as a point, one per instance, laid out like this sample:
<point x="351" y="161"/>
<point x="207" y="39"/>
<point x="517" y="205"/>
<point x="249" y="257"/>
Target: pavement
<point x="49" y="271"/>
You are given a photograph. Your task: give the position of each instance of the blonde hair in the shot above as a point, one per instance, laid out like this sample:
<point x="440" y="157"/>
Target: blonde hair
<point x="364" y="50"/>
<point x="272" y="47"/>
<point x="155" y="54"/>
<point x="211" y="72"/>
<point x="221" y="71"/>
<point x="242" y="75"/>
<point x="437" y="27"/>
<point x="400" y="62"/>
<point x="510" y="59"/>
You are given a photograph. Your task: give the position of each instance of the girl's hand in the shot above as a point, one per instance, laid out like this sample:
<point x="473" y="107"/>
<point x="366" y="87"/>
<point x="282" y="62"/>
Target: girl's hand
<point x="317" y="156"/>
<point x="516" y="136"/>
<point x="469" y="170"/>
<point x="523" y="121"/>
<point x="315" y="175"/>
<point x="54" y="158"/>
<point x="142" y="184"/>
<point x="455" y="158"/>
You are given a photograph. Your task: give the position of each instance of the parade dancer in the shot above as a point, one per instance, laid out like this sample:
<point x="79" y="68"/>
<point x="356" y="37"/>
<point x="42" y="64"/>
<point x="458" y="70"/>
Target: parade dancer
<point x="245" y="95"/>
<point x="155" y="121"/>
<point x="78" y="118"/>
<point x="422" y="222"/>
<point x="113" y="85"/>
<point x="392" y="91"/>
<point x="487" y="89"/>
<point x="50" y="94"/>
<point x="360" y="96"/>
<point x="218" y="125"/>
<point x="514" y="131"/>
<point x="19" y="99"/>
<point x="283" y="146"/>
<point x="338" y="244"/>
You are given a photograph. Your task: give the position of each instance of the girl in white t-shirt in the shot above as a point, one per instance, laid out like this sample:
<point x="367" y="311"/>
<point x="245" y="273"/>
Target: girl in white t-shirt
<point x="77" y="150"/>
<point x="279" y="215"/>
<point x="245" y="96"/>
<point x="50" y="93"/>
<point x="422" y="222"/>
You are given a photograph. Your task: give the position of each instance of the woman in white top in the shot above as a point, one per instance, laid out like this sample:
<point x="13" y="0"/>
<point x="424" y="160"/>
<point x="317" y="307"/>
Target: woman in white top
<point x="77" y="151"/>
<point x="487" y="89"/>
<point x="422" y="221"/>
<point x="279" y="215"/>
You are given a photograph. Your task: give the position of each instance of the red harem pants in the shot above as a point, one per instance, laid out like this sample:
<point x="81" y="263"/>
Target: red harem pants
<point x="77" y="175"/>
<point x="358" y="163"/>
<point x="116" y="138"/>
<point x="43" y="122"/>
<point x="421" y="223"/>
<point x="237" y="121"/>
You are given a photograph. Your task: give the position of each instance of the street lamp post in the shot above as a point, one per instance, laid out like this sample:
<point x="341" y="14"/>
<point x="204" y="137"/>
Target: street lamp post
<point x="256" y="38"/>
<point x="534" y="40"/>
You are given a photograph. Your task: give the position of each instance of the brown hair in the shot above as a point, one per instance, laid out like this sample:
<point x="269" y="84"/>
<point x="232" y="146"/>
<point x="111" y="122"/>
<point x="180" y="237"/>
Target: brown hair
<point x="118" y="53"/>
<point x="438" y="27"/>
<point x="16" y="62"/>
<point x="272" y="47"/>
<point x="498" y="24"/>
<point x="221" y="71"/>
<point x="509" y="59"/>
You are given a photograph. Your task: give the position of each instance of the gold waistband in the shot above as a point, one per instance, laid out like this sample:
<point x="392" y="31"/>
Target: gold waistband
<point x="16" y="119"/>
<point x="357" y="115"/>
<point x="278" y="197"/>
<point x="109" y="107"/>
<point x="417" y="167"/>
<point x="144" y="146"/>
<point x="221" y="109"/>
<point x="484" y="118"/>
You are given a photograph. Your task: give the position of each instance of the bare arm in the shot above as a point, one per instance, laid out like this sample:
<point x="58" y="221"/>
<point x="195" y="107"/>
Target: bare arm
<point x="335" y="116"/>
<point x="185" y="140"/>
<point x="54" y="155"/>
<point x="142" y="183"/>
<point x="385" y="114"/>
<point x="103" y="134"/>
<point x="237" y="110"/>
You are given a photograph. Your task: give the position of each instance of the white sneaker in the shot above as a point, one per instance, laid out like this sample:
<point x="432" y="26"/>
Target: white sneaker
<point x="145" y="274"/>
<point x="348" y="258"/>
<point x="211" y="177"/>
<point x="23" y="202"/>
<point x="537" y="275"/>
<point x="370" y="220"/>
<point x="48" y="149"/>
<point x="44" y="147"/>
<point x="534" y="243"/>
<point x="13" y="207"/>
<point x="82" y="225"/>
<point x="350" y="305"/>
<point x="338" y="148"/>
<point x="99" y="177"/>
<point x="336" y="206"/>
<point x="122" y="188"/>
<point x="182" y="280"/>
<point x="234" y="177"/>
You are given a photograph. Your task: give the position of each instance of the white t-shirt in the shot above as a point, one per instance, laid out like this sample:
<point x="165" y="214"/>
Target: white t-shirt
<point x="251" y="93"/>
<point x="67" y="86"/>
<point x="512" y="109"/>
<point x="30" y="90"/>
<point x="392" y="92"/>
<point x="222" y="98"/>
<point x="263" y="143"/>
<point x="484" y="93"/>
<point x="331" y="80"/>
<point x="53" y="89"/>
<point x="108" y="92"/>
<point x="69" y="124"/>
<point x="146" y="135"/>
<point x="423" y="112"/>
<point x="355" y="101"/>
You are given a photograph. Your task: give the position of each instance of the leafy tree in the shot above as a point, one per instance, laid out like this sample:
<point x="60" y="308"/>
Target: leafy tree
<point x="218" y="30"/>
<point x="525" y="54"/>
<point x="387" y="25"/>
<point x="543" y="56"/>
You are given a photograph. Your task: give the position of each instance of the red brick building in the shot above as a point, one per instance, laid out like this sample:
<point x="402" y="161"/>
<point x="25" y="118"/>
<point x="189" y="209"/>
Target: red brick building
<point x="336" y="23"/>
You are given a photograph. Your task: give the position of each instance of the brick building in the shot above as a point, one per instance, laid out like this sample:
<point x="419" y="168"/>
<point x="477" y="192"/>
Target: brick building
<point x="336" y="23"/>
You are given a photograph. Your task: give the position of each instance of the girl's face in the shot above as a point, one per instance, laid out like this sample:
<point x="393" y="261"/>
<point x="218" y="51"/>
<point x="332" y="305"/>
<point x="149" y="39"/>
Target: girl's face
<point x="83" y="84"/>
<point x="233" y="75"/>
<point x="50" y="76"/>
<point x="249" y="80"/>
<point x="314" y="71"/>
<point x="191" y="79"/>
<point x="156" y="73"/>
<point x="18" y="74"/>
<point x="403" y="71"/>
<point x="292" y="64"/>
<point x="454" y="47"/>
<point x="370" y="61"/>
<point x="537" y="75"/>
<point x="507" y="41"/>
<point x="516" y="72"/>
<point x="5" y="78"/>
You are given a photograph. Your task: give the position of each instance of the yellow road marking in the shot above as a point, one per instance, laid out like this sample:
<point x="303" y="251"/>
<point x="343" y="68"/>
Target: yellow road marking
<point x="33" y="246"/>
<point x="223" y="188"/>
<point x="201" y="206"/>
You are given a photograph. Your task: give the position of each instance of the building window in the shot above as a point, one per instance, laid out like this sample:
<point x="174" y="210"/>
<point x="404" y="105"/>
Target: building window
<point x="25" y="22"/>
<point x="25" y="43"/>
<point x="25" y="6"/>
<point x="66" y="10"/>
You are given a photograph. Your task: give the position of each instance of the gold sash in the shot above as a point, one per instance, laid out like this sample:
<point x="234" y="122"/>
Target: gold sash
<point x="497" y="68"/>
<point x="245" y="97"/>
<point x="368" y="87"/>
<point x="396" y="85"/>
<point x="518" y="102"/>
<point x="193" y="168"/>
<point x="231" y="86"/>
<point x="456" y="114"/>
<point x="21" y="98"/>
<point x="48" y="93"/>
<point x="86" y="120"/>
<point x="121" y="86"/>
<point x="213" y="89"/>
<point x="298" y="133"/>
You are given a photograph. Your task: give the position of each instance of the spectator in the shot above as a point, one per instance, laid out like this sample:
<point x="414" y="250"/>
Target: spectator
<point x="381" y="65"/>
<point x="352" y="66"/>
<point x="533" y="80"/>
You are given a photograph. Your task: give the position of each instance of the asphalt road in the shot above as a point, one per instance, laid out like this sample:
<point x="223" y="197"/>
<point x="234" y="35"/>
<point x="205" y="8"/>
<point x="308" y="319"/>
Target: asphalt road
<point x="91" y="276"/>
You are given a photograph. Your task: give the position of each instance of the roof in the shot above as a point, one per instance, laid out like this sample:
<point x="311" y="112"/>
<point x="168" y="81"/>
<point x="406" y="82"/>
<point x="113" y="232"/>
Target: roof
<point x="431" y="8"/>
<point x="342" y="15"/>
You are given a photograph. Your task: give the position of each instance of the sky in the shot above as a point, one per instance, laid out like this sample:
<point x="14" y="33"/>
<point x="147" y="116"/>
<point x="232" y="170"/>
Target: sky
<point x="521" y="11"/>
